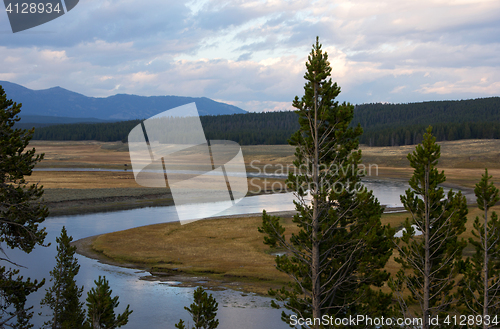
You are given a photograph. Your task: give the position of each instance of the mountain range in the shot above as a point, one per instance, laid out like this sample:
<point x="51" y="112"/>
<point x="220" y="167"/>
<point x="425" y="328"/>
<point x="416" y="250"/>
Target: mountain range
<point x="58" y="105"/>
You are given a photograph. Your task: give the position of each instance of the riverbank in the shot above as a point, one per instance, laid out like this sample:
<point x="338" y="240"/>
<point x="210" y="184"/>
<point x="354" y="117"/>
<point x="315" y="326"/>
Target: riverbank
<point x="218" y="253"/>
<point x="81" y="191"/>
<point x="65" y="201"/>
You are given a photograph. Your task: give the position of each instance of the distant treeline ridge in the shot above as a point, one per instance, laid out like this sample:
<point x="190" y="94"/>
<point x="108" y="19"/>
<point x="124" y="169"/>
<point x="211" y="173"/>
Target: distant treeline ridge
<point x="383" y="124"/>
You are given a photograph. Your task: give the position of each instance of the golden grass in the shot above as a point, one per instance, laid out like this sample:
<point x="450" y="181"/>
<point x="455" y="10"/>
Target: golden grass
<point x="454" y="154"/>
<point x="83" y="154"/>
<point x="229" y="248"/>
<point x="463" y="162"/>
<point x="68" y="185"/>
<point x="83" y="179"/>
<point x="89" y="154"/>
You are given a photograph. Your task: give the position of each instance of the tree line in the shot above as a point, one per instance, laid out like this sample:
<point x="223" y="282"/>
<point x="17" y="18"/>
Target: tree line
<point x="383" y="124"/>
<point x="425" y="113"/>
<point x="411" y="135"/>
<point x="246" y="129"/>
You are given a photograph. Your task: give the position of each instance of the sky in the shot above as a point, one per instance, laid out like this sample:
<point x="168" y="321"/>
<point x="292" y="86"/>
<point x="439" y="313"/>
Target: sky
<point x="252" y="54"/>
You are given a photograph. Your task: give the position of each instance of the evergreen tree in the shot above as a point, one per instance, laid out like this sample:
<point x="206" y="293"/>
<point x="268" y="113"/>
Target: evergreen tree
<point x="63" y="297"/>
<point x="101" y="307"/>
<point x="480" y="287"/>
<point x="20" y="213"/>
<point x="429" y="263"/>
<point x="203" y="311"/>
<point x="180" y="325"/>
<point x="339" y="253"/>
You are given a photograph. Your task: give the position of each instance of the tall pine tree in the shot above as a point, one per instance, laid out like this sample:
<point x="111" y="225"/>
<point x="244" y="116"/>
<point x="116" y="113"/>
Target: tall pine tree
<point x="63" y="297"/>
<point x="429" y="263"/>
<point x="480" y="287"/>
<point x="20" y="213"/>
<point x="339" y="253"/>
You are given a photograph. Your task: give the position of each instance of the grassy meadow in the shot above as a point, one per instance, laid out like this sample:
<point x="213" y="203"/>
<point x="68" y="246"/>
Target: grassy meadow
<point x="463" y="162"/>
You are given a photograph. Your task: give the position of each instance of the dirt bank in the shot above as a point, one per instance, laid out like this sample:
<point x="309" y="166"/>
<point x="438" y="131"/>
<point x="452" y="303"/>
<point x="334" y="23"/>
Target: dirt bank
<point x="62" y="202"/>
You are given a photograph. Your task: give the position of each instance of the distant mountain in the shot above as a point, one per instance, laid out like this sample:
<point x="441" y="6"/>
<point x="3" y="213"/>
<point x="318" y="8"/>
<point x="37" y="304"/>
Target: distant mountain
<point x="59" y="102"/>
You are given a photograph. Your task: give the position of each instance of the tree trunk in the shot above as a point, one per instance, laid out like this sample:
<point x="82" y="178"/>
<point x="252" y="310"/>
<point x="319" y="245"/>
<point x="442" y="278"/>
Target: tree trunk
<point x="95" y="322"/>
<point x="427" y="266"/>
<point x="316" y="283"/>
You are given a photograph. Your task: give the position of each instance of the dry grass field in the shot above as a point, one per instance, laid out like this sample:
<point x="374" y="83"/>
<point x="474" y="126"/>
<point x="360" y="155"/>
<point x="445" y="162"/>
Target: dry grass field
<point x="462" y="161"/>
<point x="230" y="249"/>
<point x="95" y="155"/>
<point x="70" y="192"/>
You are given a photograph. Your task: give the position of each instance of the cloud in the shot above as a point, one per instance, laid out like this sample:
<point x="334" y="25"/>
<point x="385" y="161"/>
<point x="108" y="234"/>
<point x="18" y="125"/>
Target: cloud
<point x="263" y="106"/>
<point x="252" y="53"/>
<point x="397" y="89"/>
<point x="481" y="81"/>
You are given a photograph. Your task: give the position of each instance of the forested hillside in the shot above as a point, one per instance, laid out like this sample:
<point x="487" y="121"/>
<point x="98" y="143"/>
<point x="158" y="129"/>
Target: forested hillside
<point x="404" y="124"/>
<point x="383" y="124"/>
<point x="246" y="129"/>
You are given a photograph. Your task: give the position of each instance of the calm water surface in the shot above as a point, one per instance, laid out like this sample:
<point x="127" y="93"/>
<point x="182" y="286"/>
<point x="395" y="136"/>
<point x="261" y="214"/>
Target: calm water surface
<point x="161" y="305"/>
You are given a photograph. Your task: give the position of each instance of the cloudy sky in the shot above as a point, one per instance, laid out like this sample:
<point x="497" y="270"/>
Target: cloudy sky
<point x="252" y="53"/>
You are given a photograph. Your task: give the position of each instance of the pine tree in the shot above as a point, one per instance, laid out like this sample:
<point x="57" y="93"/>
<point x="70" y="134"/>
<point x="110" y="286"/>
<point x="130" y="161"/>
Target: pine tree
<point x="20" y="213"/>
<point x="339" y="253"/>
<point x="180" y="325"/>
<point x="63" y="297"/>
<point x="203" y="311"/>
<point x="480" y="287"/>
<point x="429" y="263"/>
<point x="101" y="307"/>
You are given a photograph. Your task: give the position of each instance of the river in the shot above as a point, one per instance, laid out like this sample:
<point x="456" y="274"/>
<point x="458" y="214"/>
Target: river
<point x="158" y="305"/>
